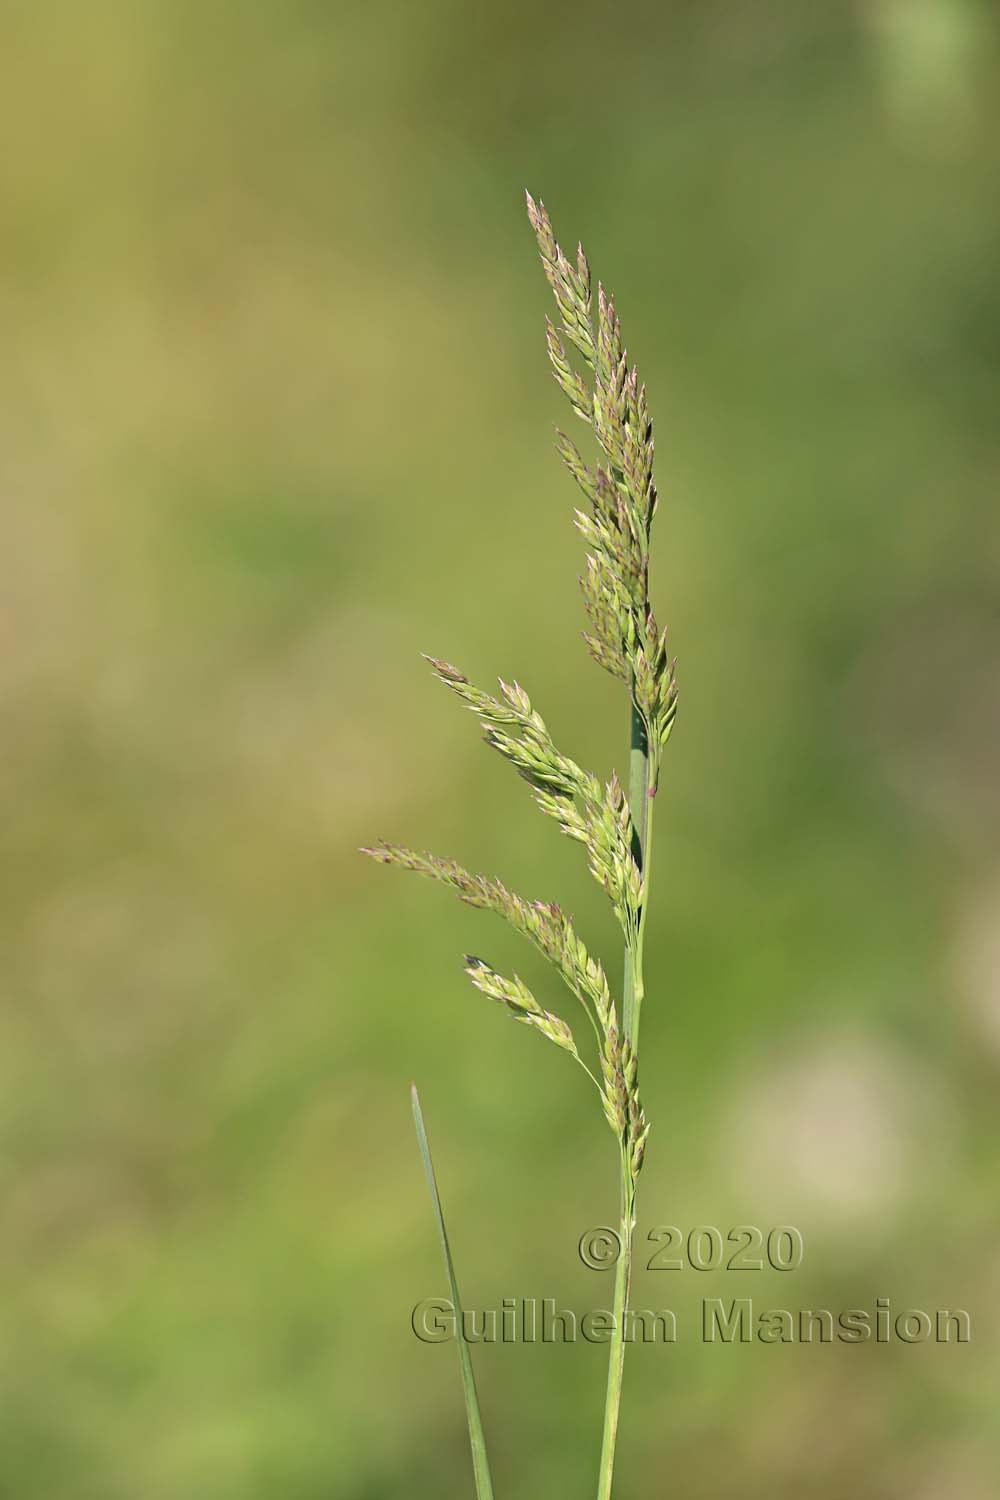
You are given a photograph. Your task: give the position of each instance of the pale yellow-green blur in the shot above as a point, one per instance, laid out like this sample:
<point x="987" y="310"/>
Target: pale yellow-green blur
<point x="276" y="416"/>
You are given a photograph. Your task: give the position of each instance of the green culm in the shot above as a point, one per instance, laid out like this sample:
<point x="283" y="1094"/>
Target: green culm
<point x="591" y="366"/>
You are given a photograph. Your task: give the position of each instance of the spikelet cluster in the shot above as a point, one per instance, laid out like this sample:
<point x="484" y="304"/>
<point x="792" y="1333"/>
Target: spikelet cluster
<point x="624" y="637"/>
<point x="513" y="728"/>
<point x="596" y="816"/>
<point x="520" y="1002"/>
<point x="543" y="923"/>
<point x="552" y="933"/>
<point x="620" y="1097"/>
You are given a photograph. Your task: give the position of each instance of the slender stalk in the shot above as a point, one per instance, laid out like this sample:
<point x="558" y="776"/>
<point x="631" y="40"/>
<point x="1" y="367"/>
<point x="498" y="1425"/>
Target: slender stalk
<point x="644" y="814"/>
<point x="616" y="1360"/>
<point x="641" y="809"/>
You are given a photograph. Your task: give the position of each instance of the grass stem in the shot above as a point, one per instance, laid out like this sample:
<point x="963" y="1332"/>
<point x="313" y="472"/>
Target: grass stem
<point x="641" y="809"/>
<point x="616" y="1356"/>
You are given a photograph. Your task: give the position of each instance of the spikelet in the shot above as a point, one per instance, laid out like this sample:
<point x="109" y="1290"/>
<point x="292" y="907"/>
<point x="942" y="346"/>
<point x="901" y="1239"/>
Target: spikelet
<point x="570" y="284"/>
<point x="620" y="1097"/>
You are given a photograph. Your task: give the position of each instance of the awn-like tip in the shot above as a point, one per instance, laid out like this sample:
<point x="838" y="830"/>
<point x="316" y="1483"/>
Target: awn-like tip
<point x="444" y="669"/>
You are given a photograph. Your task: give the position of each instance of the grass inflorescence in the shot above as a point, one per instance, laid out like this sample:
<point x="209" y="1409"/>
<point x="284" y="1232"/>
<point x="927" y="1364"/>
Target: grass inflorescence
<point x="614" y="824"/>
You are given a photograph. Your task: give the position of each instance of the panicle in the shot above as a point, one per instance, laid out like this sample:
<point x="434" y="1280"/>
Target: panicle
<point x="591" y="366"/>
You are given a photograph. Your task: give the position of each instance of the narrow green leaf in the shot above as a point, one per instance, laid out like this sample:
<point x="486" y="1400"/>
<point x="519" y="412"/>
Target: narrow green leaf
<point x="477" y="1439"/>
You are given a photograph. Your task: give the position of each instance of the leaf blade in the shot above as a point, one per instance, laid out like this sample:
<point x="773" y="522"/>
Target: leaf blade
<point x="477" y="1437"/>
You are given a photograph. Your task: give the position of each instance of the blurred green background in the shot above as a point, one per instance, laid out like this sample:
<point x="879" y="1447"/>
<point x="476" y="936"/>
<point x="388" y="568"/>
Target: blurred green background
<point x="277" y="416"/>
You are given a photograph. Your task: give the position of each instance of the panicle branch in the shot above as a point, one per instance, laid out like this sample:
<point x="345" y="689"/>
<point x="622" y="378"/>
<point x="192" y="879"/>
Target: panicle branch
<point x="543" y="923"/>
<point x="520" y="1002"/>
<point x="597" y="817"/>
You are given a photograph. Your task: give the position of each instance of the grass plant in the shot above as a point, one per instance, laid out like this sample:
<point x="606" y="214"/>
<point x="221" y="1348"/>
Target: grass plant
<point x="614" y="825"/>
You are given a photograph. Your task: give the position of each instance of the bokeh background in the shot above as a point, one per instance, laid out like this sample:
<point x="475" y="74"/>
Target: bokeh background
<point x="275" y="417"/>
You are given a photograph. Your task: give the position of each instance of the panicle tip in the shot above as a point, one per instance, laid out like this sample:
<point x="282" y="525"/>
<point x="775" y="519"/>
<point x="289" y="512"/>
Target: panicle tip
<point x="444" y="669"/>
<point x="385" y="854"/>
